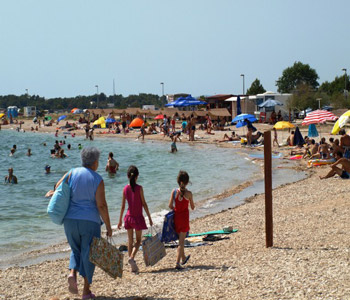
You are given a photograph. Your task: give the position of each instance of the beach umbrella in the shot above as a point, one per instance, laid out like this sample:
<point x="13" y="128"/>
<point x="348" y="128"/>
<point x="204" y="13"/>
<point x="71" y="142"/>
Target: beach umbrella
<point x="312" y="131"/>
<point x="239" y="110"/>
<point x="73" y="110"/>
<point x="47" y="118"/>
<point x="172" y="103"/>
<point x="110" y="120"/>
<point x="101" y="121"/>
<point x="319" y="116"/>
<point x="61" y="118"/>
<point x="188" y="101"/>
<point x="243" y="117"/>
<point x="159" y="117"/>
<point x="1" y="115"/>
<point x="270" y="103"/>
<point x="137" y="122"/>
<point x="77" y="111"/>
<point x="344" y="118"/>
<point x="283" y="125"/>
<point x="298" y="138"/>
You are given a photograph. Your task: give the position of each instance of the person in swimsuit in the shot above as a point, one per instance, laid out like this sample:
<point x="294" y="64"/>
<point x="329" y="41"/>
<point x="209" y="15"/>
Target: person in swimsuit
<point x="87" y="130"/>
<point x="142" y="132"/>
<point x="11" y="178"/>
<point x="112" y="165"/>
<point x="134" y="219"/>
<point x="179" y="201"/>
<point x="231" y="138"/>
<point x="29" y="153"/>
<point x="124" y="123"/>
<point x="343" y="172"/>
<point x="345" y="143"/>
<point x="174" y="138"/>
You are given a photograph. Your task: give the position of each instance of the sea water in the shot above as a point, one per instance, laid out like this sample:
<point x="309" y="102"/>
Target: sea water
<point x="24" y="223"/>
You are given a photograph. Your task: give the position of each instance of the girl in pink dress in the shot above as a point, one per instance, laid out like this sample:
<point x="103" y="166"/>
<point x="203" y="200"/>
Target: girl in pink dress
<point x="134" y="220"/>
<point x="183" y="198"/>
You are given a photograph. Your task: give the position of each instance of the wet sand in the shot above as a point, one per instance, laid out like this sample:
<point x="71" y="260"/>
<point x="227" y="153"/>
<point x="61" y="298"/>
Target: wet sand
<point x="309" y="260"/>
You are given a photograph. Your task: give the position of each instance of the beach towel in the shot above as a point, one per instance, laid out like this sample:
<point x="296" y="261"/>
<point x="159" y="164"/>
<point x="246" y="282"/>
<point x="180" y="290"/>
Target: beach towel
<point x="298" y="138"/>
<point x="168" y="233"/>
<point x="312" y="131"/>
<point x="106" y="256"/>
<point x="153" y="249"/>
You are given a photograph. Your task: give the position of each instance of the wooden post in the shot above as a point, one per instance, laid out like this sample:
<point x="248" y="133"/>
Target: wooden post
<point x="268" y="189"/>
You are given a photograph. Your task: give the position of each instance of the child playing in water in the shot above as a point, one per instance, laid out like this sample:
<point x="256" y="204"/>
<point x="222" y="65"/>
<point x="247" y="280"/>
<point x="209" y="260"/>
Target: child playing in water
<point x="181" y="197"/>
<point x="174" y="138"/>
<point x="134" y="220"/>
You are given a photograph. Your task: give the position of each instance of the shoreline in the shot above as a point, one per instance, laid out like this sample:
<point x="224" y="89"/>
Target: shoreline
<point x="308" y="260"/>
<point x="226" y="199"/>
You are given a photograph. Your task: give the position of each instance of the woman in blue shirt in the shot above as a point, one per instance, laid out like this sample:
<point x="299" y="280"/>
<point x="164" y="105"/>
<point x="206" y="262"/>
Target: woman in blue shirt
<point x="83" y="219"/>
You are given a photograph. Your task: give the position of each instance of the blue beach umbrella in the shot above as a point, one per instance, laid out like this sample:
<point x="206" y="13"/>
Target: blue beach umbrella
<point x="270" y="103"/>
<point x="110" y="120"/>
<point x="239" y="110"/>
<point x="61" y="118"/>
<point x="189" y="101"/>
<point x="312" y="131"/>
<point x="242" y="117"/>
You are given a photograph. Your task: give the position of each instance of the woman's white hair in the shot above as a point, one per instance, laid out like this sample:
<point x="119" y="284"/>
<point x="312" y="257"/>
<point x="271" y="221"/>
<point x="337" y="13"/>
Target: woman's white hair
<point x="89" y="155"/>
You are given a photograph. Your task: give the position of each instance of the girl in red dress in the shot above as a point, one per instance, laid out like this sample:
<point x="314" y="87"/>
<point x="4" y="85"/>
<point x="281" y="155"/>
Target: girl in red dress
<point x="134" y="220"/>
<point x="179" y="201"/>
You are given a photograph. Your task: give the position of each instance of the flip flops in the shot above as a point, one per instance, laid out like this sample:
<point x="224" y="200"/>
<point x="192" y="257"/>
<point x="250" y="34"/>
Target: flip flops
<point x="88" y="296"/>
<point x="186" y="259"/>
<point x="72" y="284"/>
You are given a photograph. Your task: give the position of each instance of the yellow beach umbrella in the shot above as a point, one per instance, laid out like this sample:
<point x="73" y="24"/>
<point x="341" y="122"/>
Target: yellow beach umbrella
<point x="101" y="121"/>
<point x="283" y="125"/>
<point x="344" y="118"/>
<point x="1" y="115"/>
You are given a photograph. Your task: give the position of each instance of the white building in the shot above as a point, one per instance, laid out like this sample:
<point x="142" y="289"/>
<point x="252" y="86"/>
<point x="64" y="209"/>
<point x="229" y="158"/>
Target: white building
<point x="250" y="104"/>
<point x="29" y="111"/>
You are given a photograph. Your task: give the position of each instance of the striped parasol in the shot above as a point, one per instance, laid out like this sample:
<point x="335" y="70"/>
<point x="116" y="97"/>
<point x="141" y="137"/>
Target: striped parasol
<point x="319" y="116"/>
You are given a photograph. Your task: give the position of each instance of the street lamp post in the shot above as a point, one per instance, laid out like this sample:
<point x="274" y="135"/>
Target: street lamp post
<point x="346" y="77"/>
<point x="319" y="102"/>
<point x="162" y="84"/>
<point x="96" y="86"/>
<point x="245" y="100"/>
<point x="27" y="93"/>
<point x="243" y="84"/>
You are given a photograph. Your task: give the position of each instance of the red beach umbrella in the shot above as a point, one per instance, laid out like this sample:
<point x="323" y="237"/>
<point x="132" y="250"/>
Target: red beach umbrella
<point x="159" y="117"/>
<point x="319" y="116"/>
<point x="73" y="110"/>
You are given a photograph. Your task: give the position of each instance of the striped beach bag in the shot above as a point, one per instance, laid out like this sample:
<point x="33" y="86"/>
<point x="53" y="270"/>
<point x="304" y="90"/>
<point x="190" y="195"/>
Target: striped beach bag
<point x="153" y="249"/>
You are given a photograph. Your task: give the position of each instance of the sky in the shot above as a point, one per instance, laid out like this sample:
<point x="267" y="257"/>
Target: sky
<point x="65" y="48"/>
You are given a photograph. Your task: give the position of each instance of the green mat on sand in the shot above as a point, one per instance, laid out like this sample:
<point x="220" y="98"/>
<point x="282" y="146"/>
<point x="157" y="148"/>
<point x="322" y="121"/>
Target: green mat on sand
<point x="213" y="232"/>
<point x="207" y="233"/>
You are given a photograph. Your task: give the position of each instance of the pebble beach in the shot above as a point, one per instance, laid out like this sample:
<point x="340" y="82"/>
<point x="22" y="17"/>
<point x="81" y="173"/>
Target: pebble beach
<point x="309" y="259"/>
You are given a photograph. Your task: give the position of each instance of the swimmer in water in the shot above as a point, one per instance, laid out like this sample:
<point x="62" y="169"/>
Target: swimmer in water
<point x="174" y="138"/>
<point x="112" y="165"/>
<point x="69" y="146"/>
<point x="80" y="146"/>
<point x="12" y="152"/>
<point x="47" y="169"/>
<point x="29" y="153"/>
<point x="11" y="178"/>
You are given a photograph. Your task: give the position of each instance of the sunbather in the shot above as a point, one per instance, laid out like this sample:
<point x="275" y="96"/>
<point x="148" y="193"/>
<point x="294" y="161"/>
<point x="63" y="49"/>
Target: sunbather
<point x="343" y="172"/>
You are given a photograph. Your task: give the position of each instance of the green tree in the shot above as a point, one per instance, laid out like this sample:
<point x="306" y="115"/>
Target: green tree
<point x="256" y="88"/>
<point x="298" y="74"/>
<point x="303" y="97"/>
<point x="336" y="86"/>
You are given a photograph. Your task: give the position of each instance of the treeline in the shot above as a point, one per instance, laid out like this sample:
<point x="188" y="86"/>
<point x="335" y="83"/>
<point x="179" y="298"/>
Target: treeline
<point x="81" y="101"/>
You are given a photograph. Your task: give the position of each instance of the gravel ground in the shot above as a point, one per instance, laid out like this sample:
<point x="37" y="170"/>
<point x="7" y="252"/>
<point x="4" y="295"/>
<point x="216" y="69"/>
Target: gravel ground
<point x="309" y="260"/>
